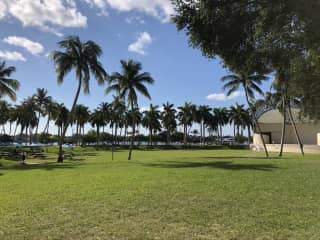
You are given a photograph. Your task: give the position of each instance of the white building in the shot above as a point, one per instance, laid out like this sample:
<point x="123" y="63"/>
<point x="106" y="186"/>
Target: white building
<point x="271" y="121"/>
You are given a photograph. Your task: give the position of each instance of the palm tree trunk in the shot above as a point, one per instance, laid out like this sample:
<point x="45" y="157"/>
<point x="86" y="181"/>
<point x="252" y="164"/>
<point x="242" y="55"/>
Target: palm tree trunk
<point x="60" y="156"/>
<point x="38" y="121"/>
<point x="133" y="131"/>
<point x="46" y="128"/>
<point x="15" y="130"/>
<point x="283" y="132"/>
<point x="257" y="124"/>
<point x="249" y="135"/>
<point x="168" y="137"/>
<point x="295" y="130"/>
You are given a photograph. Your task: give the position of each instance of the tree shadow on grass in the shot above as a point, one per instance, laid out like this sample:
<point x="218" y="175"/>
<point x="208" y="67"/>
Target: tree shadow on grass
<point x="42" y="166"/>
<point x="226" y="165"/>
<point x="236" y="157"/>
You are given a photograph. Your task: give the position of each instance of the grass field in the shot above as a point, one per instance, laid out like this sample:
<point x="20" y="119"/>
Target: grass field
<point x="221" y="194"/>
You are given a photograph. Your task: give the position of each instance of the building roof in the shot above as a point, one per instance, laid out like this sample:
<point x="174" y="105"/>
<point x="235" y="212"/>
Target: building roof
<point x="274" y="116"/>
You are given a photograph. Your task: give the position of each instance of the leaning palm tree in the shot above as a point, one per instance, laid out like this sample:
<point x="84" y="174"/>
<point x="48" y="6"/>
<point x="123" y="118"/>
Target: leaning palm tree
<point x="83" y="58"/>
<point x="128" y="83"/>
<point x="251" y="84"/>
<point x="8" y="86"/>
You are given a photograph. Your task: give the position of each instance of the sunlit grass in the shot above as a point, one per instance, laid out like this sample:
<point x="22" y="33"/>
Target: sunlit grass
<point x="222" y="194"/>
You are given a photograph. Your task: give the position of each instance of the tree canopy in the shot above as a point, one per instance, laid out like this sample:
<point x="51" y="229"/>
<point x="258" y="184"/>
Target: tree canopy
<point x="259" y="36"/>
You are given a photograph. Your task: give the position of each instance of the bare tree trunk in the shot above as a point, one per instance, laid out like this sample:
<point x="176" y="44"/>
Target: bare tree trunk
<point x="295" y="130"/>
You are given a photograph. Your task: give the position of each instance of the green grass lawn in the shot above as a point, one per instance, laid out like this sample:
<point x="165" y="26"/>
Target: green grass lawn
<point x="213" y="194"/>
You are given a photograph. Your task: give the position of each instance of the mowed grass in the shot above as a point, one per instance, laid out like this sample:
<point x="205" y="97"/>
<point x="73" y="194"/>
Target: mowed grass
<point x="208" y="194"/>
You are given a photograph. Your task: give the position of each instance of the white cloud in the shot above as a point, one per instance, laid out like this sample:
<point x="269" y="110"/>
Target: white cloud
<point x="221" y="97"/>
<point x="12" y="56"/>
<point x="160" y="9"/>
<point x="46" y="14"/>
<point x="143" y="41"/>
<point x="131" y="20"/>
<point x="34" y="48"/>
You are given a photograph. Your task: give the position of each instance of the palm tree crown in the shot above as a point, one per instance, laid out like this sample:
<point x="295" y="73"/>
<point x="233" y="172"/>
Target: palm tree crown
<point x="8" y="86"/>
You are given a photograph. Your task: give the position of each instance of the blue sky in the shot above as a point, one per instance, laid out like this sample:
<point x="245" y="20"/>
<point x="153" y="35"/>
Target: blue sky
<point x="31" y="29"/>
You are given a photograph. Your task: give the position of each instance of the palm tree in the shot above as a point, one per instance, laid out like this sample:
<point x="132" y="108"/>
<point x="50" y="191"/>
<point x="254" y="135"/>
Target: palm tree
<point x="186" y="116"/>
<point x="97" y="120"/>
<point x="168" y="117"/>
<point x="105" y="108"/>
<point x="26" y="117"/>
<point x="203" y="116"/>
<point x="8" y="86"/>
<point x="247" y="121"/>
<point x="237" y="117"/>
<point x="50" y="108"/>
<point x="41" y="99"/>
<point x="129" y="83"/>
<point x="83" y="58"/>
<point x="251" y="84"/>
<point x="4" y="114"/>
<point x="80" y="117"/>
<point x="118" y="109"/>
<point x="151" y="121"/>
<point x="222" y="118"/>
<point x="61" y="118"/>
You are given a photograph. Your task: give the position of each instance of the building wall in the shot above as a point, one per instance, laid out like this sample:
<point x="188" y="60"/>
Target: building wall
<point x="307" y="131"/>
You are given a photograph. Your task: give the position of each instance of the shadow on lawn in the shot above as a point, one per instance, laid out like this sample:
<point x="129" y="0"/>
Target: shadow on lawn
<point x="226" y="165"/>
<point x="43" y="166"/>
<point x="242" y="157"/>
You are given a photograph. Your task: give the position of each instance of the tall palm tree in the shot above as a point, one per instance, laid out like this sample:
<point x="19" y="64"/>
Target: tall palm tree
<point x="151" y="121"/>
<point x="83" y="58"/>
<point x="117" y="115"/>
<point x="4" y="114"/>
<point x="27" y="117"/>
<point x="105" y="108"/>
<point x="203" y="116"/>
<point x="129" y="82"/>
<point x="50" y="108"/>
<point x="237" y="117"/>
<point x="97" y="120"/>
<point x="41" y="99"/>
<point x="251" y="84"/>
<point x="61" y="118"/>
<point x="186" y="116"/>
<point x="222" y="117"/>
<point x="8" y="86"/>
<point x="168" y="117"/>
<point x="80" y="117"/>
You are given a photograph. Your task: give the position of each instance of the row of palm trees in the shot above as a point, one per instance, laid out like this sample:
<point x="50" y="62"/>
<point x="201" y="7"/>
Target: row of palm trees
<point x="118" y="118"/>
